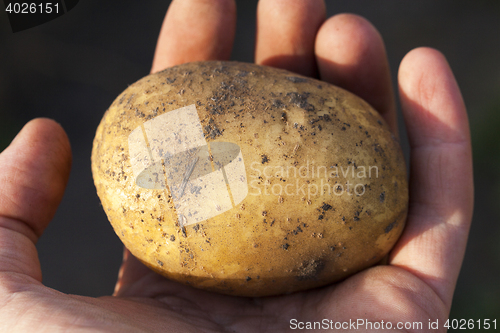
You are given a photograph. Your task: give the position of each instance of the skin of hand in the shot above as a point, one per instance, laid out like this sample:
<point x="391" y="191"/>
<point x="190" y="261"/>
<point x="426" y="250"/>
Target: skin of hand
<point x="416" y="285"/>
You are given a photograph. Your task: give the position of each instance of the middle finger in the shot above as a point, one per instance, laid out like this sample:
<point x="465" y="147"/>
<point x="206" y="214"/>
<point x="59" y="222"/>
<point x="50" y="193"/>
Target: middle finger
<point x="286" y="30"/>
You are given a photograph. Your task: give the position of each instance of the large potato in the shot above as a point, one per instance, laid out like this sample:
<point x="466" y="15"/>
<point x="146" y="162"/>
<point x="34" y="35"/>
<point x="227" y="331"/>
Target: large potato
<point x="249" y="180"/>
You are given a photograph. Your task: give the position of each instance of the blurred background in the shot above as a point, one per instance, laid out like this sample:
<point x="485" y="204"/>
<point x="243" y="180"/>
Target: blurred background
<point x="71" y="69"/>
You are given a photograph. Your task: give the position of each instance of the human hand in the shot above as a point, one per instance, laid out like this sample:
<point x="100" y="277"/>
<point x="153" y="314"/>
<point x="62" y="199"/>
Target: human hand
<point x="415" y="286"/>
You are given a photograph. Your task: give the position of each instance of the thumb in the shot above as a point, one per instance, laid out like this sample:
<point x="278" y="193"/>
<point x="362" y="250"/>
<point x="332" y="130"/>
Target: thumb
<point x="34" y="171"/>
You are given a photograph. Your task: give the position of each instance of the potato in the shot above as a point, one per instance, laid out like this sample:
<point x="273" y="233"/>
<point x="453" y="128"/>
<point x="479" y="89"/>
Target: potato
<point x="249" y="180"/>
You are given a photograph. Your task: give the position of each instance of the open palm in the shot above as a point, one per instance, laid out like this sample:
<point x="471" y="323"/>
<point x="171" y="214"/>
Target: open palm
<point x="416" y="285"/>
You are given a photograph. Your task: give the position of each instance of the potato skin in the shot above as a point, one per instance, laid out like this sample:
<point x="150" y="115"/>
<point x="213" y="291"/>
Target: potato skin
<point x="292" y="130"/>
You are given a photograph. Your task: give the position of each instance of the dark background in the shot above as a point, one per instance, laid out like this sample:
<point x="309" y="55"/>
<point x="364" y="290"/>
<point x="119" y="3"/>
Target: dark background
<point x="71" y="69"/>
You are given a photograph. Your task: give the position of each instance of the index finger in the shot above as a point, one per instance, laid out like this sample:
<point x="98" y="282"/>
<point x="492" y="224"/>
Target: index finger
<point x="195" y="30"/>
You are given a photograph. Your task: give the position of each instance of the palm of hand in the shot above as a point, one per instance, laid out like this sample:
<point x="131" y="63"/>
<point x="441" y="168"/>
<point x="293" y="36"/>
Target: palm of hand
<point x="153" y="304"/>
<point x="416" y="286"/>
